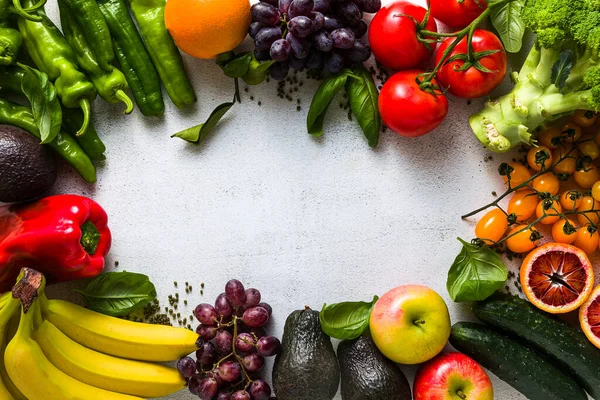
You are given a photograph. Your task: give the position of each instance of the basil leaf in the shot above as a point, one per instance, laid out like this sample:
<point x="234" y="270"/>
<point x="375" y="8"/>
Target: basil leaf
<point x="509" y="24"/>
<point x="363" y="97"/>
<point x="477" y="272"/>
<point x="561" y="69"/>
<point x="238" y="67"/>
<point x="257" y="71"/>
<point x="346" y="320"/>
<point x="321" y="100"/>
<point x="118" y="293"/>
<point x="197" y="134"/>
<point x="45" y="105"/>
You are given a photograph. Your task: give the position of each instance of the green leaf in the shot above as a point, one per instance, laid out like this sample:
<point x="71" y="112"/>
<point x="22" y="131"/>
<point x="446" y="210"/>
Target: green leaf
<point x="321" y="100"/>
<point x="118" y="293"/>
<point x="477" y="272"/>
<point x="238" y="67"/>
<point x="197" y="134"/>
<point x="561" y="69"/>
<point x="44" y="101"/>
<point x="363" y="97"/>
<point x="346" y="320"/>
<point x="509" y="24"/>
<point x="257" y="71"/>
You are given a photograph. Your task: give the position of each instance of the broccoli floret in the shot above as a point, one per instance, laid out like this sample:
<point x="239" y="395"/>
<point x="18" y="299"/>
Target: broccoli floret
<point x="567" y="39"/>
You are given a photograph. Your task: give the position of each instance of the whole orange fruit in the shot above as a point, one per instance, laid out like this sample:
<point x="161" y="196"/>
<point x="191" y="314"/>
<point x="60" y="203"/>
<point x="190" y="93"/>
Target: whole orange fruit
<point x="206" y="28"/>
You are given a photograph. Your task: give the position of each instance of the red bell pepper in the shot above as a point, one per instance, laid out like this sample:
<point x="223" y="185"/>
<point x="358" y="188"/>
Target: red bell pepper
<point x="65" y="237"/>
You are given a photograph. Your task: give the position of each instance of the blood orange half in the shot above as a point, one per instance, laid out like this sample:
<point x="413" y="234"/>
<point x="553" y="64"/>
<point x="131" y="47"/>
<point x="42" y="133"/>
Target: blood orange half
<point x="557" y="277"/>
<point x="589" y="317"/>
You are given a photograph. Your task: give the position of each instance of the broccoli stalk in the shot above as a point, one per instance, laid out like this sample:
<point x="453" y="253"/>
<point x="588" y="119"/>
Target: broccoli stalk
<point x="560" y="75"/>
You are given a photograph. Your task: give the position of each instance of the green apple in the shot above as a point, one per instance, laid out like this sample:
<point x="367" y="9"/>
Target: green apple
<point x="410" y="324"/>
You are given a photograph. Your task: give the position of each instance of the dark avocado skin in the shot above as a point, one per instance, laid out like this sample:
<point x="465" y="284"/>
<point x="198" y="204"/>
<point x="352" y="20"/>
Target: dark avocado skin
<point x="368" y="375"/>
<point x="306" y="368"/>
<point x="27" y="168"/>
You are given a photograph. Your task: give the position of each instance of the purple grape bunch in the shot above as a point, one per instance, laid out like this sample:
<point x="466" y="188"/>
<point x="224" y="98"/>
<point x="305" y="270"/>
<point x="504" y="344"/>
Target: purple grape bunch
<point x="316" y="34"/>
<point x="233" y="344"/>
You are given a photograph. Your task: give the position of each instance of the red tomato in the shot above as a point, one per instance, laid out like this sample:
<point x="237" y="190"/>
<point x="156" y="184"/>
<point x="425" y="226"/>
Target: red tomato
<point x="407" y="109"/>
<point x="457" y="13"/>
<point x="473" y="83"/>
<point x="393" y="37"/>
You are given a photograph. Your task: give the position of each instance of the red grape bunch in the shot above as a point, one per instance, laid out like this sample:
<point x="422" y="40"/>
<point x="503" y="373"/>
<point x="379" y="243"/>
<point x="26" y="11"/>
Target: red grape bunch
<point x="316" y="34"/>
<point x="233" y="347"/>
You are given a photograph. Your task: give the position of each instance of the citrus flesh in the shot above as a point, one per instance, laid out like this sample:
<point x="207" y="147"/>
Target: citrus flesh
<point x="589" y="317"/>
<point x="557" y="277"/>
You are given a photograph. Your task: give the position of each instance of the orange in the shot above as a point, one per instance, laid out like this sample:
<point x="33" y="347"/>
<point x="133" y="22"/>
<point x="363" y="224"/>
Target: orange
<point x="557" y="277"/>
<point x="206" y="28"/>
<point x="589" y="317"/>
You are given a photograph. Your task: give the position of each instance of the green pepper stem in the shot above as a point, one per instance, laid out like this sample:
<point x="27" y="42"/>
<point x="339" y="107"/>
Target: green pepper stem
<point x="85" y="107"/>
<point x="19" y="10"/>
<point x="122" y="96"/>
<point x="90" y="237"/>
<point x="36" y="6"/>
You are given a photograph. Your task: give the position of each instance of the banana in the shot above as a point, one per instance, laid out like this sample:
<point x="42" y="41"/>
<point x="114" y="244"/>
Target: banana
<point x="103" y="371"/>
<point x="117" y="337"/>
<point x="36" y="377"/>
<point x="10" y="307"/>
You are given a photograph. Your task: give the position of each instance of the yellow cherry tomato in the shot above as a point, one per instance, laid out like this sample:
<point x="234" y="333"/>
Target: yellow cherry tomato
<point x="519" y="175"/>
<point x="570" y="200"/>
<point x="492" y="226"/>
<point x="535" y="155"/>
<point x="572" y="131"/>
<point x="560" y="234"/>
<point x="521" y="242"/>
<point x="587" y="176"/>
<point x="589" y="204"/>
<point x="550" y="137"/>
<point x="547" y="182"/>
<point x="587" y="239"/>
<point x="523" y="204"/>
<point x="596" y="191"/>
<point x="552" y="210"/>
<point x="565" y="159"/>
<point x="589" y="148"/>
<point x="584" y="118"/>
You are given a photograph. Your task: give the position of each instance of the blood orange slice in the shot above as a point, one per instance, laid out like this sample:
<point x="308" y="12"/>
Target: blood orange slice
<point x="557" y="277"/>
<point x="589" y="317"/>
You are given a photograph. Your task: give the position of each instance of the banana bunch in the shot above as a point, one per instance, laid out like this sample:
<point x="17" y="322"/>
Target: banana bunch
<point x="55" y="350"/>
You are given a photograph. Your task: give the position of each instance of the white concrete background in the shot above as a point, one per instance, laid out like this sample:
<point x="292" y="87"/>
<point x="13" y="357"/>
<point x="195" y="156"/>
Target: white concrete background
<point x="305" y="220"/>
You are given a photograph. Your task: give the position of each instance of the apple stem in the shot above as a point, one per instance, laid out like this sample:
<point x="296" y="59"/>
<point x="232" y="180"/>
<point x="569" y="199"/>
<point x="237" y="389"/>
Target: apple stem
<point x="461" y="394"/>
<point x="419" y="322"/>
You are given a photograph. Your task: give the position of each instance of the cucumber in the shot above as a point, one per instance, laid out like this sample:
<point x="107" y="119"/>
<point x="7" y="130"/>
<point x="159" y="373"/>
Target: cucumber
<point x="516" y="364"/>
<point x="561" y="342"/>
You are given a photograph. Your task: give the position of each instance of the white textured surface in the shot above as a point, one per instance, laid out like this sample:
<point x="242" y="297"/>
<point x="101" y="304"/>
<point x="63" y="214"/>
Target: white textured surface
<point x="305" y="220"/>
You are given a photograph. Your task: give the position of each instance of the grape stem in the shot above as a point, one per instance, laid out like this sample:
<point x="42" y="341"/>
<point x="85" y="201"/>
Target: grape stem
<point x="527" y="185"/>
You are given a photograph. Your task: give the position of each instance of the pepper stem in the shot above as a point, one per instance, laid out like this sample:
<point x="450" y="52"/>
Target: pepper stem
<point x="90" y="236"/>
<point x="36" y="6"/>
<point x="122" y="96"/>
<point x="18" y="9"/>
<point x="85" y="107"/>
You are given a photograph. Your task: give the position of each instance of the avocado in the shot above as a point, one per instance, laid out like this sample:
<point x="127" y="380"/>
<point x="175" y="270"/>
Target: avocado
<point x="306" y="368"/>
<point x="27" y="168"/>
<point x="369" y="375"/>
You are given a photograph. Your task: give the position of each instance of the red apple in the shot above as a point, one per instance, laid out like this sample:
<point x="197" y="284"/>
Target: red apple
<point x="452" y="376"/>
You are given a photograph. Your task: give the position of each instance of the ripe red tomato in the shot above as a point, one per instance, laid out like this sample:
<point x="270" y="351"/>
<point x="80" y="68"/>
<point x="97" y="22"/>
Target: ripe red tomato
<point x="457" y="13"/>
<point x="473" y="83"/>
<point x="393" y="36"/>
<point x="407" y="109"/>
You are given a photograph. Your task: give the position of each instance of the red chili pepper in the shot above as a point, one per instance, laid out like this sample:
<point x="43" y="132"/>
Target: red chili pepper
<point x="65" y="237"/>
